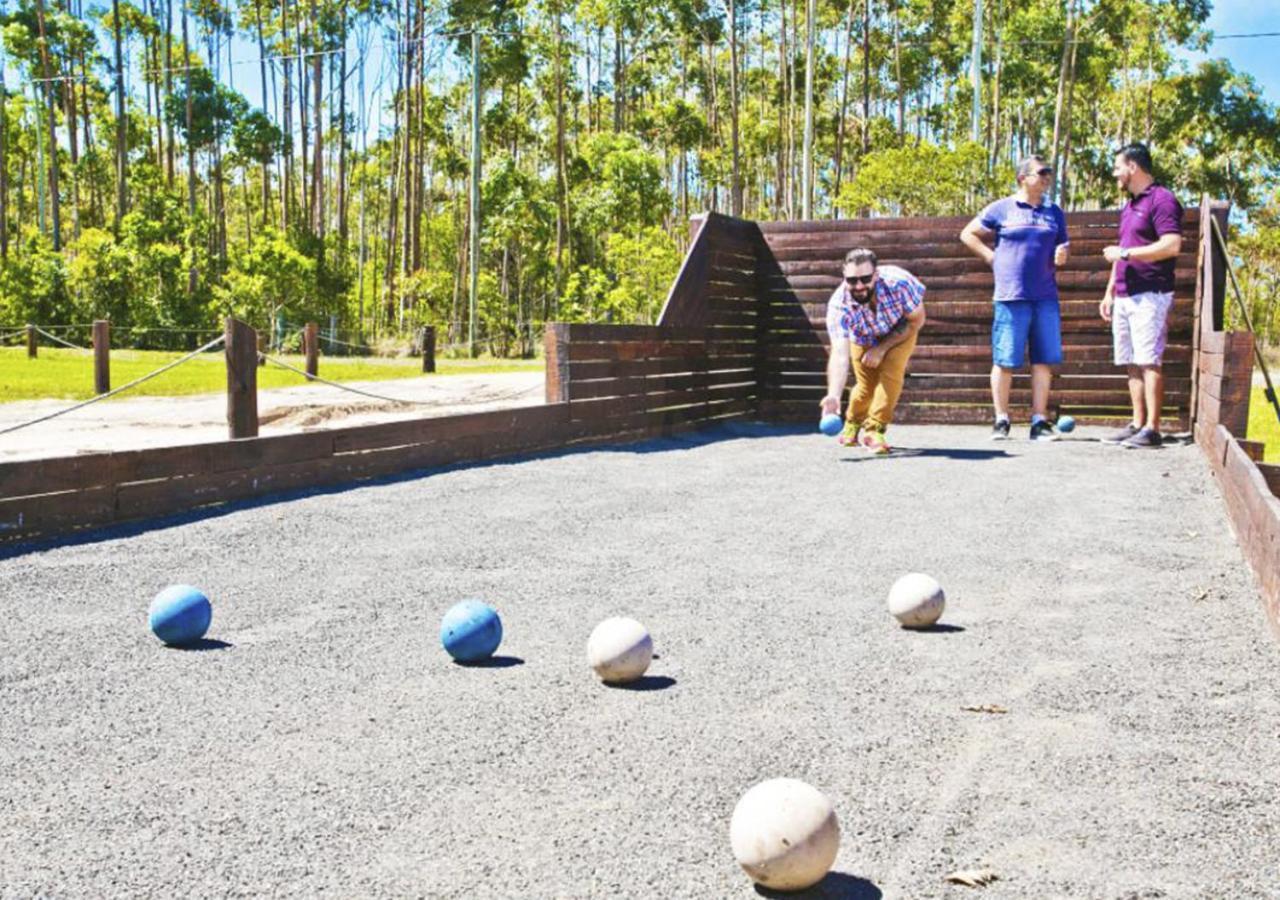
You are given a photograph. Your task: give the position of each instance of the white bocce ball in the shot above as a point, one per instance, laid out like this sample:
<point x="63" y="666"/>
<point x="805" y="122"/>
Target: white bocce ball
<point x="785" y="834"/>
<point x="620" y="650"/>
<point x="916" y="600"/>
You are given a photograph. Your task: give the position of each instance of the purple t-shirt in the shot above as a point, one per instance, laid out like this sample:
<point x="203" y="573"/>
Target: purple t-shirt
<point x="1026" y="238"/>
<point x="1143" y="220"/>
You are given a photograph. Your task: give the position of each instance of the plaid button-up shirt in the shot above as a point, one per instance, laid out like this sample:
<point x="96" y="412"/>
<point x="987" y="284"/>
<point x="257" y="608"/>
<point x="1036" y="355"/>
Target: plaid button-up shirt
<point x="898" y="293"/>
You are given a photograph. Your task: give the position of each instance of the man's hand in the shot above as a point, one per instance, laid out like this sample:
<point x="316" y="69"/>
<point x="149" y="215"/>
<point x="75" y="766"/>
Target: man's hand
<point x="872" y="357"/>
<point x="830" y="405"/>
<point x="1060" y="255"/>
<point x="1112" y="254"/>
<point x="1104" y="308"/>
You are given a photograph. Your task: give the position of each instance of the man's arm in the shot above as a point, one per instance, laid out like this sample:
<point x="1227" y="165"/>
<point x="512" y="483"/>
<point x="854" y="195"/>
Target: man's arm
<point x="908" y="326"/>
<point x="1166" y="247"/>
<point x="837" y="375"/>
<point x="972" y="237"/>
<point x="1108" y="296"/>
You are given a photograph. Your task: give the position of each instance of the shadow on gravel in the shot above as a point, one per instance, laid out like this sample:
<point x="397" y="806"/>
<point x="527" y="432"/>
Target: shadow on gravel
<point x="939" y="628"/>
<point x="727" y="431"/>
<point x="944" y="452"/>
<point x="645" y="683"/>
<point x="201" y="645"/>
<point x="493" y="662"/>
<point x="836" y="886"/>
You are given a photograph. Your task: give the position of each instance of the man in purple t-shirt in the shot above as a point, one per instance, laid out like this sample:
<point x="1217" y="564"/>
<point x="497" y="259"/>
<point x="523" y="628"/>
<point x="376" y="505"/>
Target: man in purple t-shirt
<point x="1139" y="295"/>
<point x="1031" y="242"/>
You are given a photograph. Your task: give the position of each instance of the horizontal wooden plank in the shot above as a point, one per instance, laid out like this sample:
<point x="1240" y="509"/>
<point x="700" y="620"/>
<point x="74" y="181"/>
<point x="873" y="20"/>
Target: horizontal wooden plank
<point x="586" y="371"/>
<point x="931" y="270"/>
<point x="656" y="384"/>
<point x="27" y="516"/>
<point x="1075" y="219"/>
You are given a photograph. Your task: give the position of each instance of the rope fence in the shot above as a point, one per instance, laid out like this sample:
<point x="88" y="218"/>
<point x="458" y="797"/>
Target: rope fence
<point x="284" y="365"/>
<point x="124" y="387"/>
<point x="58" y="340"/>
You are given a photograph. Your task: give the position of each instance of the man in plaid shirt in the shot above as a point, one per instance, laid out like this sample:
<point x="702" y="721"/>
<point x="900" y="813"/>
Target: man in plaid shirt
<point x="872" y="319"/>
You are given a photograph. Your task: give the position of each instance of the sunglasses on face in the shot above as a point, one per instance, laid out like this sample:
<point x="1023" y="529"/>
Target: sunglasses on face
<point x="1045" y="171"/>
<point x="852" y="280"/>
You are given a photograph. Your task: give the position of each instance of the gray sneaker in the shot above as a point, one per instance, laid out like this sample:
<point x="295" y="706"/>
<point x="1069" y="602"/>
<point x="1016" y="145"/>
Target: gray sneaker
<point x="1146" y="439"/>
<point x="1122" y="435"/>
<point x="1043" y="431"/>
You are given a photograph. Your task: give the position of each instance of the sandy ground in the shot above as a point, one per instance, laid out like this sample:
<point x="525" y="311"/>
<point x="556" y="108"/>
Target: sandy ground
<point x="322" y="744"/>
<point x="128" y="424"/>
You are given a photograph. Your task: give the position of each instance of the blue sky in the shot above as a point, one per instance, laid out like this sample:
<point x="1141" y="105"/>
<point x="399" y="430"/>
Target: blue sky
<point x="1260" y="57"/>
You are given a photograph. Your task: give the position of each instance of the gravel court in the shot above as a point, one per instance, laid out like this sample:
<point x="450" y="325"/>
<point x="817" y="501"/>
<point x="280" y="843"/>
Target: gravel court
<point x="332" y="749"/>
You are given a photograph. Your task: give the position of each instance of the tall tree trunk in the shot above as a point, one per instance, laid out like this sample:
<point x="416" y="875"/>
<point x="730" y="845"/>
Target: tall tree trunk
<point x="1068" y="41"/>
<point x="866" y="77"/>
<point x="735" y="184"/>
<point x="562" y="186"/>
<point x="121" y="123"/>
<point x="844" y="105"/>
<point x="781" y="208"/>
<point x="56" y="218"/>
<point x="168" y="89"/>
<point x="619" y="78"/>
<point x="192" y="273"/>
<point x="4" y="168"/>
<point x="806" y="174"/>
<point x="897" y="70"/>
<point x="342" y="141"/>
<point x="304" y="192"/>
<point x="286" y="119"/>
<point x="262" y="74"/>
<point x="998" y="29"/>
<point x="317" y="95"/>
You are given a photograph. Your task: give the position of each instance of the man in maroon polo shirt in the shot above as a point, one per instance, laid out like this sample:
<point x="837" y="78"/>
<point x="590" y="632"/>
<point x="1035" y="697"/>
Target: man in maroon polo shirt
<point x="1139" y="294"/>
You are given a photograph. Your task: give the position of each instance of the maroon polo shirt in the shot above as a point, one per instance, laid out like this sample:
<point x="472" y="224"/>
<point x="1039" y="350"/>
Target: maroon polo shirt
<point x="1143" y="220"/>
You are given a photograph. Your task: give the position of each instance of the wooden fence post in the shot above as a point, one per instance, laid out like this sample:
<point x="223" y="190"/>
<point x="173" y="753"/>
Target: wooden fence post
<point x="311" y="346"/>
<point x="429" y="348"/>
<point x="31" y="342"/>
<point x="242" y="379"/>
<point x="556" y="342"/>
<point x="101" y="356"/>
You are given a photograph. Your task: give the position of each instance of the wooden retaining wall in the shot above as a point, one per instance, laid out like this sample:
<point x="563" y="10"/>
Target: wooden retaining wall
<point x="1223" y="387"/>
<point x="629" y="383"/>
<point x="948" y="380"/>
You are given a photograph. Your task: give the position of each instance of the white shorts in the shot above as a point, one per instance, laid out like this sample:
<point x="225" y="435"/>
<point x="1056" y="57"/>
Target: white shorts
<point x="1140" y="327"/>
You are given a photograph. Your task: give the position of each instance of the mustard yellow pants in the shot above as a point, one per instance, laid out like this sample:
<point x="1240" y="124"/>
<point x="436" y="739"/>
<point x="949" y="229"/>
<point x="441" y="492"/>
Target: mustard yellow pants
<point x="877" y="391"/>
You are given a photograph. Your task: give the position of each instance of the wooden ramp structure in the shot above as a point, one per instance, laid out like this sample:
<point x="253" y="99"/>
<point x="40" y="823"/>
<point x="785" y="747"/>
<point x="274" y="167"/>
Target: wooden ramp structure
<point x="771" y="281"/>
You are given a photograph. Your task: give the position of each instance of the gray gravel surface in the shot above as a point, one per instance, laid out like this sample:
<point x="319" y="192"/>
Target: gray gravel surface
<point x="323" y="745"/>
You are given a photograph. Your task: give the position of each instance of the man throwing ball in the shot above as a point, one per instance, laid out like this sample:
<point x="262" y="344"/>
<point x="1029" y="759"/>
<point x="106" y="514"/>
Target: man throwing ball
<point x="873" y="319"/>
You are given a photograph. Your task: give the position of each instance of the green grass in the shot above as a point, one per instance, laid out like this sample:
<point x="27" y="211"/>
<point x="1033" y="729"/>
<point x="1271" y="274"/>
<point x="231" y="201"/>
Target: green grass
<point x="68" y="374"/>
<point x="1263" y="425"/>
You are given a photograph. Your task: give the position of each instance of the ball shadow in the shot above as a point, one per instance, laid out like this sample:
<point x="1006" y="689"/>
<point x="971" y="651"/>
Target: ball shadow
<point x="836" y="886"/>
<point x="491" y="662"/>
<point x="937" y="628"/>
<point x="204" y="644"/>
<point x="644" y="683"/>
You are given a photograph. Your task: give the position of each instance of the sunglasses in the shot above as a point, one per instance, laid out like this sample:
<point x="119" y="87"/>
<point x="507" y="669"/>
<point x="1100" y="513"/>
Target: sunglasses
<point x="1045" y="171"/>
<point x="859" y="279"/>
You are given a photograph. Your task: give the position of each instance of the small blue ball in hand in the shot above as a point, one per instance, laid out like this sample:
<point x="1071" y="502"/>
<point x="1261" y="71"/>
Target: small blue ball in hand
<point x="1066" y="423"/>
<point x="831" y="425"/>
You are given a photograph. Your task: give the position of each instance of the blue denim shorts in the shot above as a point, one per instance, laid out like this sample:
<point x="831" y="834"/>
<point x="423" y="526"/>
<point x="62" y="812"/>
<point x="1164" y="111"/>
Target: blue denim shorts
<point x="1017" y="323"/>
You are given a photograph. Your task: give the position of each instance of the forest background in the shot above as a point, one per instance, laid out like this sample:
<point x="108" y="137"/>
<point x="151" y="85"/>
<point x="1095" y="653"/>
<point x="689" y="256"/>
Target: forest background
<point x="164" y="163"/>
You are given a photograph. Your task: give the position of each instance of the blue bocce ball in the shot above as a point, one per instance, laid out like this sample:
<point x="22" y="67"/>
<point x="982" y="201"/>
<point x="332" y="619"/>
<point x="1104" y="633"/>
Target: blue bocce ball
<point x="831" y="425"/>
<point x="179" y="615"/>
<point x="471" y="631"/>
<point x="1066" y="423"/>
